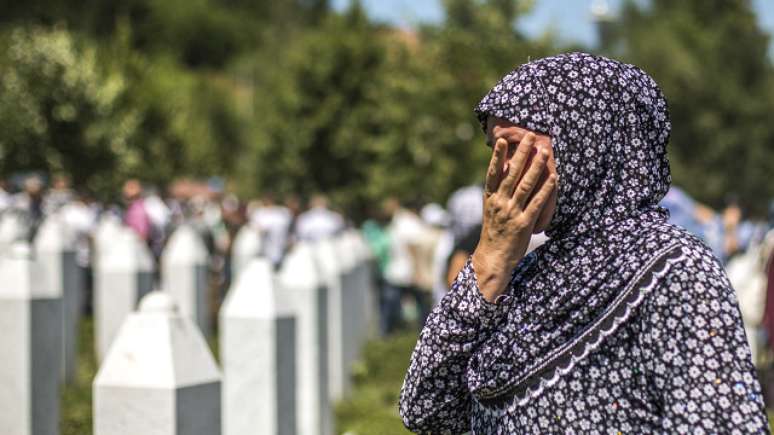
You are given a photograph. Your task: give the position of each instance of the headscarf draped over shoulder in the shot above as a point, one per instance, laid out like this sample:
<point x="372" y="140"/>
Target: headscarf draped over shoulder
<point x="609" y="128"/>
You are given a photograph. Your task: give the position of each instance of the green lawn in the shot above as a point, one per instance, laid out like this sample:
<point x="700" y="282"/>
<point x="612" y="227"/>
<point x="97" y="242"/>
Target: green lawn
<point x="76" y="399"/>
<point x="371" y="409"/>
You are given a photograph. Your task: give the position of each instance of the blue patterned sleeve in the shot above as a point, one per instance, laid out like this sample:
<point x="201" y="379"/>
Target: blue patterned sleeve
<point x="697" y="355"/>
<point x="435" y="398"/>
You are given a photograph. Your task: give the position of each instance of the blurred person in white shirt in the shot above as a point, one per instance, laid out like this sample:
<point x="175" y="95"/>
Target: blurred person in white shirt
<point x="430" y="256"/>
<point x="319" y="222"/>
<point x="273" y="221"/>
<point x="80" y="216"/>
<point x="5" y="197"/>
<point x="465" y="210"/>
<point x="58" y="195"/>
<point x="404" y="231"/>
<point x="30" y="202"/>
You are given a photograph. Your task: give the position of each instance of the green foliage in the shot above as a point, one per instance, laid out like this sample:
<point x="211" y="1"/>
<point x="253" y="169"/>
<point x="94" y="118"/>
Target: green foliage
<point x="710" y="58"/>
<point x="199" y="33"/>
<point x="372" y="408"/>
<point x="103" y="115"/>
<point x="76" y="398"/>
<point x="185" y="124"/>
<point x="290" y="97"/>
<point x="364" y="112"/>
<point x="59" y="111"/>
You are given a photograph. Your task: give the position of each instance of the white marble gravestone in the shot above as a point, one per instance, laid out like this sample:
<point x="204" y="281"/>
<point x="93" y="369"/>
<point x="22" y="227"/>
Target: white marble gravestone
<point x="108" y="227"/>
<point x="247" y="245"/>
<point x="328" y="265"/>
<point x="13" y="229"/>
<point x="257" y="351"/>
<point x="159" y="377"/>
<point x="31" y="336"/>
<point x="367" y="319"/>
<point x="184" y="273"/>
<point x="350" y="300"/>
<point x="356" y="318"/>
<point x="372" y="295"/>
<point x="55" y="250"/>
<point x="123" y="275"/>
<point x="302" y="291"/>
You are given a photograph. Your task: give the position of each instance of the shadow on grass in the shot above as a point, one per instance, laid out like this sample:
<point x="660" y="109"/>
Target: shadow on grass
<point x="76" y="398"/>
<point x="372" y="407"/>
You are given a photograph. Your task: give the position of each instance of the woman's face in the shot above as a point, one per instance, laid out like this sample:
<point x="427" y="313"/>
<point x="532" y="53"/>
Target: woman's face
<point x="497" y="128"/>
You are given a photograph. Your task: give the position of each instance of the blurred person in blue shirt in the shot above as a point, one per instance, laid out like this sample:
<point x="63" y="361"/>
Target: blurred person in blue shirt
<point x="726" y="233"/>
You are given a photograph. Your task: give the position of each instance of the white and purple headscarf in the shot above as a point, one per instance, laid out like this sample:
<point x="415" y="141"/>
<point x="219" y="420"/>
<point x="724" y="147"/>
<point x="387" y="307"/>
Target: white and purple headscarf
<point x="609" y="128"/>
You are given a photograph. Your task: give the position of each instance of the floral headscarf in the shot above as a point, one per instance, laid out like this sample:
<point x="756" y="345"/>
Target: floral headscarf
<point x="609" y="127"/>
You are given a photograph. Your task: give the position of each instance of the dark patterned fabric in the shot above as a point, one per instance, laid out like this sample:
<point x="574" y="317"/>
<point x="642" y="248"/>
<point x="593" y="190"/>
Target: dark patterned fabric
<point x="620" y="323"/>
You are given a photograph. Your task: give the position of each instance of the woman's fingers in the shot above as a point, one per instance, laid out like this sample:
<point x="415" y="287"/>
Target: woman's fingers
<point x="494" y="173"/>
<point x="516" y="164"/>
<point x="530" y="179"/>
<point x="541" y="197"/>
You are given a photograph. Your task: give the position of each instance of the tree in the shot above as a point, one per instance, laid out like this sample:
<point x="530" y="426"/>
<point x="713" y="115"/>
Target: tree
<point x="364" y="112"/>
<point x="58" y="111"/>
<point x="63" y="111"/>
<point x="199" y="33"/>
<point x="710" y="58"/>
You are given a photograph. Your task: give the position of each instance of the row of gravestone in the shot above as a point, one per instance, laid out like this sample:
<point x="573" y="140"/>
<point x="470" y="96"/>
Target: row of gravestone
<point x="287" y="339"/>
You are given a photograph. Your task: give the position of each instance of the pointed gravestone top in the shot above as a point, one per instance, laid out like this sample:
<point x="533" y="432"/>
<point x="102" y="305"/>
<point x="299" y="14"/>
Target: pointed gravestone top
<point x="302" y="292"/>
<point x="158" y="302"/>
<point x="19" y="250"/>
<point x="12" y="229"/>
<point x="299" y="268"/>
<point x="359" y="246"/>
<point x="185" y="247"/>
<point x="345" y="253"/>
<point x="107" y="227"/>
<point x="258" y="353"/>
<point x="248" y="239"/>
<point x="247" y="245"/>
<point x="158" y="348"/>
<point x="254" y="293"/>
<point x="127" y="253"/>
<point x="30" y="331"/>
<point x="54" y="236"/>
<point x="22" y="276"/>
<point x="327" y="259"/>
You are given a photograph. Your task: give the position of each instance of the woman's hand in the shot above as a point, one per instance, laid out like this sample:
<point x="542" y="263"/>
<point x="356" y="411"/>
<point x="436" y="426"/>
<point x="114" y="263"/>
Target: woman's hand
<point x="512" y="205"/>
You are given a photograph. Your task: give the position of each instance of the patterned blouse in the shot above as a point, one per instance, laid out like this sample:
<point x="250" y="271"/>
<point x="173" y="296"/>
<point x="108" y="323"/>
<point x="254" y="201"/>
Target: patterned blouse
<point x="621" y="323"/>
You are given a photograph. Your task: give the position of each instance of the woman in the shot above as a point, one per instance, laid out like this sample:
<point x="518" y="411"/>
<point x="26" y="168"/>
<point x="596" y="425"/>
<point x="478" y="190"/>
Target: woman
<point x="620" y="323"/>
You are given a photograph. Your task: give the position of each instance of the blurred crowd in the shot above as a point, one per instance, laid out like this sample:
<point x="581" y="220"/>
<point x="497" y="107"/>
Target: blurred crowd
<point x="745" y="246"/>
<point x="418" y="247"/>
<point x="205" y="205"/>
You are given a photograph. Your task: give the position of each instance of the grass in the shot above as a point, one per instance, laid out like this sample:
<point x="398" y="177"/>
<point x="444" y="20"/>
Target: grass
<point x="372" y="408"/>
<point x="76" y="398"/>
